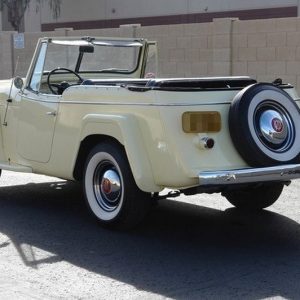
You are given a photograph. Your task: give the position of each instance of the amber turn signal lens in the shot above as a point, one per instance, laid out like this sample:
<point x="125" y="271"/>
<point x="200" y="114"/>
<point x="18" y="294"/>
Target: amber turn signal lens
<point x="201" y="122"/>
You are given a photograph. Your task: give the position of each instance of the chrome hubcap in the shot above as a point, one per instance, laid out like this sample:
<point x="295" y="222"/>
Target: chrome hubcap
<point x="274" y="126"/>
<point x="107" y="186"/>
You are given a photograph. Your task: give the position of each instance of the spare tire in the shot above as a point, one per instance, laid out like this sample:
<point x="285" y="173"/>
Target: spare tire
<point x="264" y="124"/>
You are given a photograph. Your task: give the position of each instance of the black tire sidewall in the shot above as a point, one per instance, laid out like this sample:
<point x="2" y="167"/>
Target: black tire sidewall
<point x="255" y="197"/>
<point x="245" y="140"/>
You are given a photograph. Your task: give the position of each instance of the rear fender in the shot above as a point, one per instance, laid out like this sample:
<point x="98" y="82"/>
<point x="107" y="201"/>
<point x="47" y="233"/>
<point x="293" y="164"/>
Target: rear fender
<point x="125" y="129"/>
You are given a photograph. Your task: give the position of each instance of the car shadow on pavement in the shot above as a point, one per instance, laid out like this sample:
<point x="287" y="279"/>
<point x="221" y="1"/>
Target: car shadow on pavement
<point x="180" y="251"/>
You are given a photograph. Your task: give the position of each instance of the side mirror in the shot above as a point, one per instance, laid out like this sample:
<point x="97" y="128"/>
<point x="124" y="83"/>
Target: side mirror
<point x="18" y="82"/>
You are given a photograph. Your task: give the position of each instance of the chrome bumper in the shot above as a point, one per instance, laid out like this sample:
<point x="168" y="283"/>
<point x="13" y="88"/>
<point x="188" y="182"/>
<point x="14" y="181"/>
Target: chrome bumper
<point x="251" y="175"/>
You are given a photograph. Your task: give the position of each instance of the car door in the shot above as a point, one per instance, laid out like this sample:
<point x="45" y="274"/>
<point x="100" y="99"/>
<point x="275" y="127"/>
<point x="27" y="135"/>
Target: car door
<point x="37" y="116"/>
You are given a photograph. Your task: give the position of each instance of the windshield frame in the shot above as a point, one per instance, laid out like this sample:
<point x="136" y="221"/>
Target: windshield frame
<point x="103" y="42"/>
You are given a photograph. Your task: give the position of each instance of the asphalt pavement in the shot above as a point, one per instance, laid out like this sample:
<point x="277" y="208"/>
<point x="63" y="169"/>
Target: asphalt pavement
<point x="196" y="247"/>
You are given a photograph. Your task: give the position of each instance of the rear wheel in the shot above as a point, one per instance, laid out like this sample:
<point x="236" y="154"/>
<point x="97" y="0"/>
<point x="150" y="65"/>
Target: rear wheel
<point x="255" y="197"/>
<point x="110" y="189"/>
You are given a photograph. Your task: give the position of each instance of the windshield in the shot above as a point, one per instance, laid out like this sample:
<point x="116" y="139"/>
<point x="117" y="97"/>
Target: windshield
<point x="93" y="56"/>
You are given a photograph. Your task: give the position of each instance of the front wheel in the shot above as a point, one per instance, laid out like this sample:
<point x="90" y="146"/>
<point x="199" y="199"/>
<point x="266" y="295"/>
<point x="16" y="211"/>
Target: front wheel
<point x="255" y="197"/>
<point x="110" y="189"/>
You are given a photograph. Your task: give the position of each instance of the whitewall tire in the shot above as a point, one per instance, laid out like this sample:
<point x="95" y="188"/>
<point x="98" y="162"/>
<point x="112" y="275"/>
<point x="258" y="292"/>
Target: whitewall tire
<point x="111" y="192"/>
<point x="264" y="126"/>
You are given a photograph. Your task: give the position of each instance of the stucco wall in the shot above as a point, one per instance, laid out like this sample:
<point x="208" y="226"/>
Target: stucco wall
<point x="263" y="49"/>
<point x="108" y="9"/>
<point x="111" y="10"/>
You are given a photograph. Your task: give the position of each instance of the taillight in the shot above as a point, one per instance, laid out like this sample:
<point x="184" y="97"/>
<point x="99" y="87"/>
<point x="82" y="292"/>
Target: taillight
<point x="201" y="122"/>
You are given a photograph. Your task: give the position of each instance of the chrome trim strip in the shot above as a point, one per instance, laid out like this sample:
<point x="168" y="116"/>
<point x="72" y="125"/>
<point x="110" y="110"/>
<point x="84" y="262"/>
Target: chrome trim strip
<point x="142" y="104"/>
<point x="120" y="103"/>
<point x="251" y="175"/>
<point x="55" y="100"/>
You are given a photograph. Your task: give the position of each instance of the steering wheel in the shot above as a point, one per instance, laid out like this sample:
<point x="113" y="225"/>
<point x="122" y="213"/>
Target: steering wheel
<point x="62" y="86"/>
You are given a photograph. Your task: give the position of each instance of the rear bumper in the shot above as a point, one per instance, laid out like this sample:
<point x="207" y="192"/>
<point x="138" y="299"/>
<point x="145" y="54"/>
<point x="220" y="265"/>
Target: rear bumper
<point x="251" y="175"/>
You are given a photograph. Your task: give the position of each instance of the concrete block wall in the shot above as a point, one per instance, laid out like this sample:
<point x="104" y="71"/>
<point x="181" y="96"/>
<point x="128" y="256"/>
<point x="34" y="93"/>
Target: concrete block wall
<point x="184" y="50"/>
<point x="267" y="49"/>
<point x="263" y="49"/>
<point x="22" y="57"/>
<point x="6" y="55"/>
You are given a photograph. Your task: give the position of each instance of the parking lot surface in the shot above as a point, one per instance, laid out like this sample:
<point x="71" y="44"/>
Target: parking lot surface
<point x="194" y="247"/>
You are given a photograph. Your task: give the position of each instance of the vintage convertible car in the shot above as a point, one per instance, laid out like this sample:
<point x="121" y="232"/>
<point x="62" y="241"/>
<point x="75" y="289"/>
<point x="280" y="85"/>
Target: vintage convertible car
<point x="91" y="109"/>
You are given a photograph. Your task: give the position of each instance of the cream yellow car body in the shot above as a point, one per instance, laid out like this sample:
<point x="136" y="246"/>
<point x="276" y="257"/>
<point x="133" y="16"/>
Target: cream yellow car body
<point x="43" y="133"/>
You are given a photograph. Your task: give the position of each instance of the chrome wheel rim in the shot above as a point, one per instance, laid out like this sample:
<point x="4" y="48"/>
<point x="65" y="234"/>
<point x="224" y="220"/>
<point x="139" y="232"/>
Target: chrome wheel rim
<point x="107" y="186"/>
<point x="274" y="127"/>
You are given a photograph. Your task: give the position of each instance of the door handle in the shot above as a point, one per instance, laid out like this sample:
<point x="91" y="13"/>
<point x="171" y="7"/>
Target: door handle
<point x="51" y="113"/>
